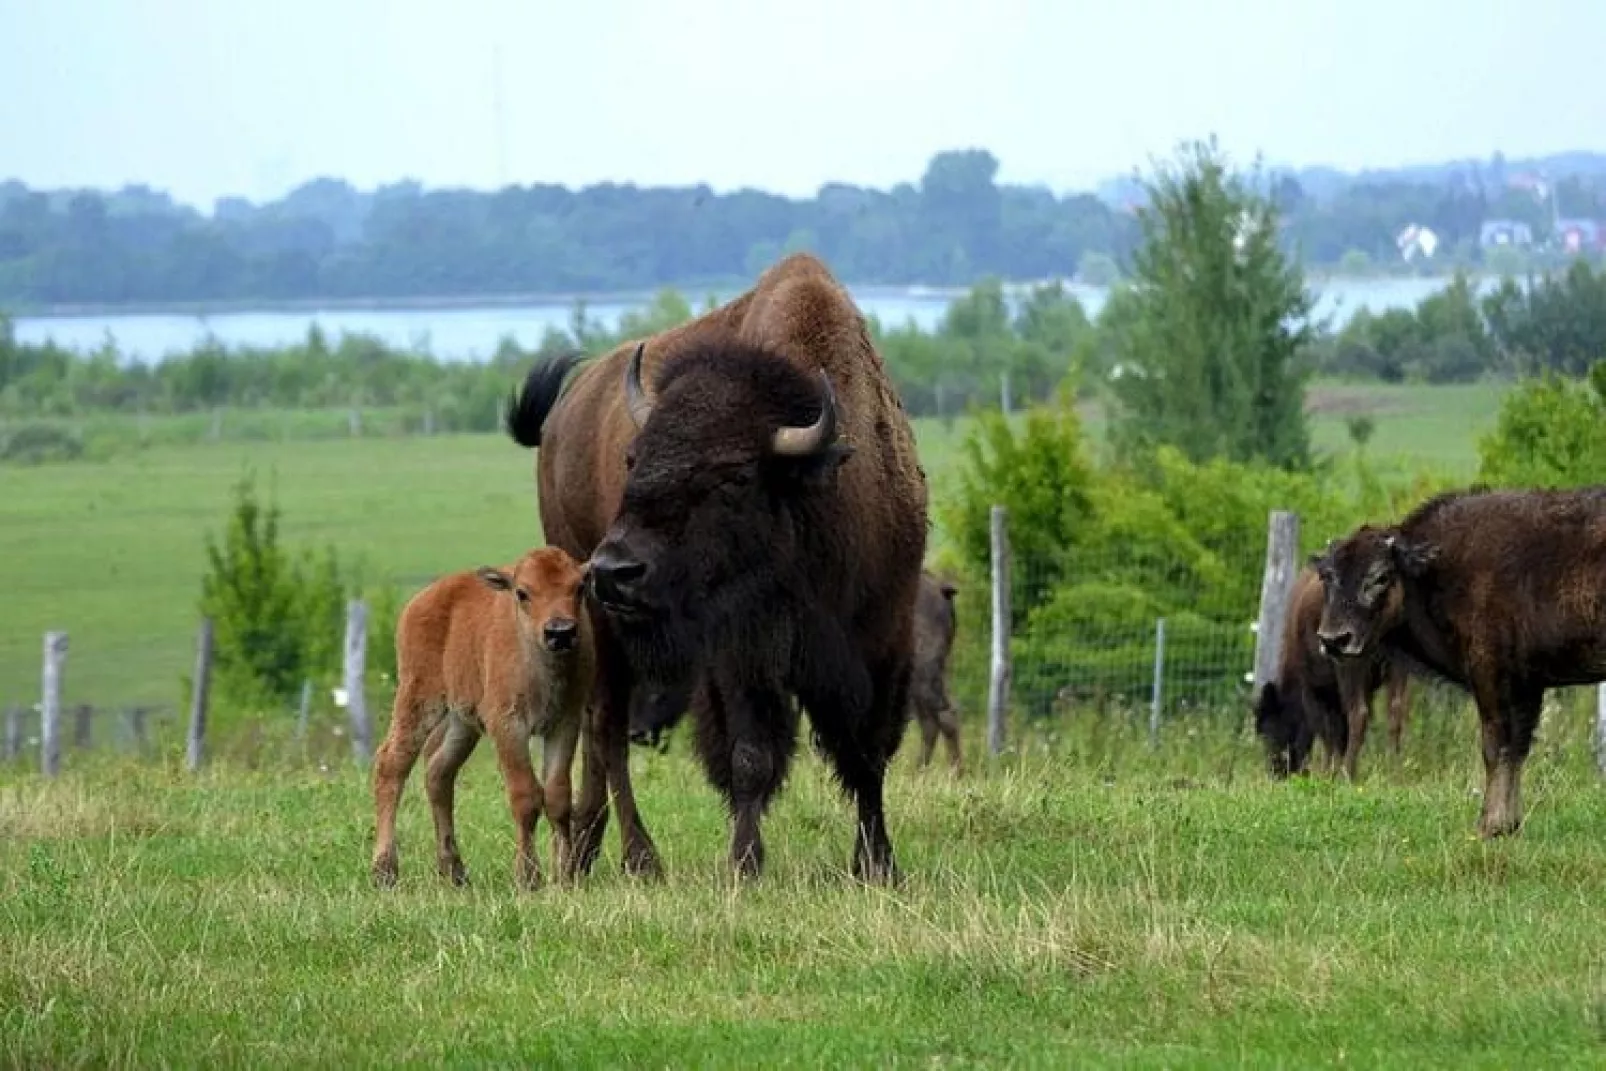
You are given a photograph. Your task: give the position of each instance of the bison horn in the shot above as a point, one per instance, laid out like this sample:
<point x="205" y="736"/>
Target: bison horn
<point x="635" y="394"/>
<point x="802" y="442"/>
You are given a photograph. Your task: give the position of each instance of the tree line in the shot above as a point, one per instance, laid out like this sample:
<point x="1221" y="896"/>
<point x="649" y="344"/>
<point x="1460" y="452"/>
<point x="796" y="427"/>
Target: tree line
<point x="957" y="223"/>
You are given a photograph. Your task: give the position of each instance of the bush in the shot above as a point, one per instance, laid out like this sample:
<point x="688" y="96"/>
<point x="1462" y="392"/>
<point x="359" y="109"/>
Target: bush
<point x="1551" y="432"/>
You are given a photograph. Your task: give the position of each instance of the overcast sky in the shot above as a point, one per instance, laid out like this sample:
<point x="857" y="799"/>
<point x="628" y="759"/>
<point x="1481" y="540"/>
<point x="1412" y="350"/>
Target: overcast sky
<point x="214" y="97"/>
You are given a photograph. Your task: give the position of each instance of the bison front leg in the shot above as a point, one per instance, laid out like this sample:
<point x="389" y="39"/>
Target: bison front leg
<point x="449" y="747"/>
<point x="948" y="724"/>
<point x="557" y="760"/>
<point x="1507" y="719"/>
<point x="607" y="765"/>
<point x="1399" y="692"/>
<point x="1357" y="702"/>
<point x="512" y="738"/>
<point x="928" y="736"/>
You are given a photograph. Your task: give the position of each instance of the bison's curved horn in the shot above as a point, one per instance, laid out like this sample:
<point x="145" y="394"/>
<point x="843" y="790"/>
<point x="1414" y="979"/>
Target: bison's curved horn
<point x="635" y="394"/>
<point x="802" y="442"/>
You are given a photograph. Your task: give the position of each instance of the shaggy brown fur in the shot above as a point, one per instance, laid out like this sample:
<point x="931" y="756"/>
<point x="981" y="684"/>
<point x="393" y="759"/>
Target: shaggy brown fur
<point x="1501" y="592"/>
<point x="935" y="623"/>
<point x="507" y="652"/>
<point x="837" y="545"/>
<point x="1313" y="698"/>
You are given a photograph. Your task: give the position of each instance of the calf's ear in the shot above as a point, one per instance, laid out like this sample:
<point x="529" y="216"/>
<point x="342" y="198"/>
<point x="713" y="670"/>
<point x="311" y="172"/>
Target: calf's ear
<point x="494" y="579"/>
<point x="1413" y="557"/>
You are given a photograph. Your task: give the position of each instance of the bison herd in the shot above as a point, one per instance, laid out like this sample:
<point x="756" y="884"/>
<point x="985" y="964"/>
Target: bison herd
<point x="736" y="521"/>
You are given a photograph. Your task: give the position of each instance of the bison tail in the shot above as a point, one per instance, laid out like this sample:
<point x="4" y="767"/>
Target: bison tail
<point x="527" y="408"/>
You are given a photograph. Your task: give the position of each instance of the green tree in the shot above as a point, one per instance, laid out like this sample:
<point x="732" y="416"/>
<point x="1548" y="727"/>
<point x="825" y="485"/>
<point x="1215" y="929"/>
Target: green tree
<point x="1551" y="432"/>
<point x="1211" y="357"/>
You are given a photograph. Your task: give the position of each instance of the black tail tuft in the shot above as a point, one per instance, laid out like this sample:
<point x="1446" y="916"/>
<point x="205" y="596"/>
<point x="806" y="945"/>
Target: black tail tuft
<point x="527" y="409"/>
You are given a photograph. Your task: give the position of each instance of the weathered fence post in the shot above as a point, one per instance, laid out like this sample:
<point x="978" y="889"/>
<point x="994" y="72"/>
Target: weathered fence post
<point x="13" y="737"/>
<point x="1276" y="587"/>
<point x="201" y="693"/>
<point x="134" y="722"/>
<point x="998" y="691"/>
<point x="356" y="655"/>
<point x="50" y="704"/>
<point x="305" y="709"/>
<point x="1159" y="680"/>
<point x="1600" y="727"/>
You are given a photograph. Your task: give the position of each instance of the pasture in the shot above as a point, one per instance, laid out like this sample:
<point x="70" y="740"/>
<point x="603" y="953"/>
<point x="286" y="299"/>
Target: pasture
<point x="1082" y="900"/>
<point x="1082" y="903"/>
<point x="111" y="547"/>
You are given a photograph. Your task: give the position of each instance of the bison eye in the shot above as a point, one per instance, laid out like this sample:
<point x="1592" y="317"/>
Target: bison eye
<point x="523" y="596"/>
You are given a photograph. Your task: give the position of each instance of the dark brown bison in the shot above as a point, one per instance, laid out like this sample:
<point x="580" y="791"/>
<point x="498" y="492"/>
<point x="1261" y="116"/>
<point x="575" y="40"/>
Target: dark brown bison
<point x="1315" y="698"/>
<point x="747" y="491"/>
<point x="505" y="652"/>
<point x="935" y="623"/>
<point x="1501" y="592"/>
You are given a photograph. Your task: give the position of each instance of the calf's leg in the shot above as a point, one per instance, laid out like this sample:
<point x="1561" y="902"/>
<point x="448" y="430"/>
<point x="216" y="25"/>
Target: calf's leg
<point x="512" y="739"/>
<point x="948" y="725"/>
<point x="928" y="735"/>
<point x="557" y="760"/>
<point x="410" y="723"/>
<point x="452" y="745"/>
<point x="1398" y="686"/>
<point x="1507" y="716"/>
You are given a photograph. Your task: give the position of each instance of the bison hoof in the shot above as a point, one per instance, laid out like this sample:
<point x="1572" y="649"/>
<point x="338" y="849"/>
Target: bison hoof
<point x="384" y="873"/>
<point x="1490" y="828"/>
<point x="452" y="870"/>
<point x="527" y="875"/>
<point x="641" y="861"/>
<point x="877" y="872"/>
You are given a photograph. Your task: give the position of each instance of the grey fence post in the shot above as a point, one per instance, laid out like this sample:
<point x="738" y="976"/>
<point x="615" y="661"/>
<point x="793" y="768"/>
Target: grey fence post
<point x="998" y="691"/>
<point x="356" y="655"/>
<point x="1600" y="727"/>
<point x="50" y="704"/>
<point x="304" y="710"/>
<point x="13" y="737"/>
<point x="201" y="694"/>
<point x="1159" y="681"/>
<point x="1276" y="587"/>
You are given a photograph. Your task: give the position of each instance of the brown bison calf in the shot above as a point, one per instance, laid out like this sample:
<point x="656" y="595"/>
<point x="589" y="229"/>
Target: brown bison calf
<point x="1315" y="698"/>
<point x="501" y="651"/>
<point x="935" y="623"/>
<point x="1501" y="592"/>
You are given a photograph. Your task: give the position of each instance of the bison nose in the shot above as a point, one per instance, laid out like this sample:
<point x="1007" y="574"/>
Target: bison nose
<point x="1337" y="644"/>
<point x="560" y="634"/>
<point x="615" y="575"/>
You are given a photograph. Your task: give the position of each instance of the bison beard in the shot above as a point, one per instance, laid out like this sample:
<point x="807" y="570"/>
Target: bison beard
<point x="720" y="564"/>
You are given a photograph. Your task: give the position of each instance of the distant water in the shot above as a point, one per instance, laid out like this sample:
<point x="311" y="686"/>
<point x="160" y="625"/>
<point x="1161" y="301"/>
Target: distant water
<point x="472" y="333"/>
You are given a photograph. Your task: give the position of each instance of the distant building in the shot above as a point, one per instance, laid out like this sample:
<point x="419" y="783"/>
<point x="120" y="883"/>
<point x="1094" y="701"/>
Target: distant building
<point x="1416" y="241"/>
<point x="1579" y="235"/>
<point x="1505" y="232"/>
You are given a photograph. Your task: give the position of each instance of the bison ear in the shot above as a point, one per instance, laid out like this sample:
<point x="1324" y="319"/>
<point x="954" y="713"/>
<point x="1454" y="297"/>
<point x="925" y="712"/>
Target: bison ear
<point x="1414" y="558"/>
<point x="494" y="579"/>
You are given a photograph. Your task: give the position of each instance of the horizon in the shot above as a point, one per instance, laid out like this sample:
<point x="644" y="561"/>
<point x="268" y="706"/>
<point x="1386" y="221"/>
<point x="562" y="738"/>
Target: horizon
<point x="205" y="103"/>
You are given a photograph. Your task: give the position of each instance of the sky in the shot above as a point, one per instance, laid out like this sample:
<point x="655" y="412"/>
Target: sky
<point x="210" y="98"/>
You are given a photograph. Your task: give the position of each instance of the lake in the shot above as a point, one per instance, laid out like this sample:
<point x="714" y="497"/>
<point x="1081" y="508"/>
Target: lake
<point x="471" y="332"/>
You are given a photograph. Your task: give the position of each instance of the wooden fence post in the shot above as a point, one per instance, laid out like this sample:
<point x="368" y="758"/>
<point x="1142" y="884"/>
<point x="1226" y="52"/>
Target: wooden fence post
<point x="50" y="704"/>
<point x="356" y="655"/>
<point x="998" y="691"/>
<point x="1276" y="588"/>
<point x="199" y="695"/>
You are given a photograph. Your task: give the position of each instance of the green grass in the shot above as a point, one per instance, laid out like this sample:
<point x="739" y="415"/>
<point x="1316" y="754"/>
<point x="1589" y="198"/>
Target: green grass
<point x="1068" y="908"/>
<point x="111" y="548"/>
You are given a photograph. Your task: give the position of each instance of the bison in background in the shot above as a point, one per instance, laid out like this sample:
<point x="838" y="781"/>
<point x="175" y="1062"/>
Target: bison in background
<point x="1315" y="698"/>
<point x="500" y="651"/>
<point x="1500" y="592"/>
<point x="935" y="624"/>
<point x="740" y="547"/>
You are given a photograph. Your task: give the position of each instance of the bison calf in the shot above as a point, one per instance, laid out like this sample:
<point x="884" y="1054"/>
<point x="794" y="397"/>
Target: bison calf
<point x="1501" y="592"/>
<point x="1315" y="698"/>
<point x="929" y="703"/>
<point x="501" y="651"/>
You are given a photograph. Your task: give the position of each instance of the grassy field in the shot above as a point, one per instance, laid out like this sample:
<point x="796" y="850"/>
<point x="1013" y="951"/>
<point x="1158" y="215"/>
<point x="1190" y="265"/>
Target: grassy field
<point x="111" y="549"/>
<point x="1078" y="904"/>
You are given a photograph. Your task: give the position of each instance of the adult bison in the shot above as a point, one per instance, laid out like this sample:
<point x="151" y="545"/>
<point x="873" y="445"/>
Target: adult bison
<point x="1500" y="592"/>
<point x="755" y="520"/>
<point x="935" y="623"/>
<point x="1315" y="698"/>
